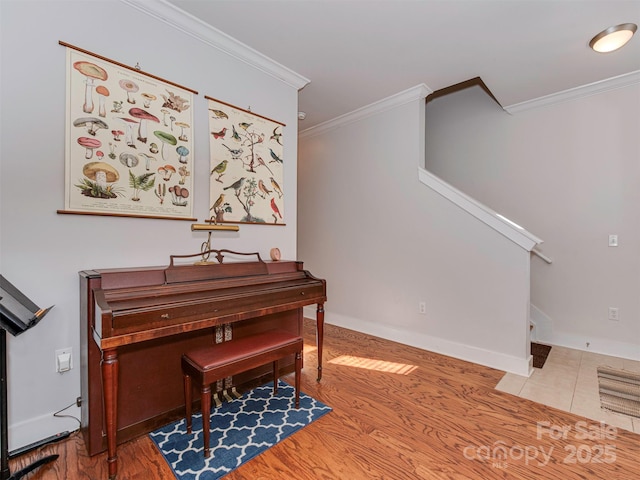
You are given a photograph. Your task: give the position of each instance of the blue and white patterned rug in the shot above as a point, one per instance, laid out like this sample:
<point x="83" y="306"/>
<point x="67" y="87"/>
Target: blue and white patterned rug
<point x="240" y="430"/>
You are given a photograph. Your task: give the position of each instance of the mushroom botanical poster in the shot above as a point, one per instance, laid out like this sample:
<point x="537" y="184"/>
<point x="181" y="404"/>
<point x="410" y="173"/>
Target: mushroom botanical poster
<point x="246" y="177"/>
<point x="129" y="142"/>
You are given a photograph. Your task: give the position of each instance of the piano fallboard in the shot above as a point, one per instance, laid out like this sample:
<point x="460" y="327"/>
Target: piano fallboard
<point x="134" y="314"/>
<point x="128" y="321"/>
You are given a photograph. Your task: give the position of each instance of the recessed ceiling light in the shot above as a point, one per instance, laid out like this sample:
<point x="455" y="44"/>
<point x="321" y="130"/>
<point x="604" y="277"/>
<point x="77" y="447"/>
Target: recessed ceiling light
<point x="613" y="37"/>
<point x="302" y="115"/>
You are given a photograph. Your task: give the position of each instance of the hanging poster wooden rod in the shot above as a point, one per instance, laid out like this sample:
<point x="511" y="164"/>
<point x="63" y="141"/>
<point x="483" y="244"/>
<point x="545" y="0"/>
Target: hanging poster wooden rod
<point x="133" y="69"/>
<point x="115" y="214"/>
<point x="244" y="110"/>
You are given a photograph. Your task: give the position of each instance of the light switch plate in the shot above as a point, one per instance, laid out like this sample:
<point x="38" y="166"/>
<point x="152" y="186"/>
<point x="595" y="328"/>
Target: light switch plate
<point x="64" y="360"/>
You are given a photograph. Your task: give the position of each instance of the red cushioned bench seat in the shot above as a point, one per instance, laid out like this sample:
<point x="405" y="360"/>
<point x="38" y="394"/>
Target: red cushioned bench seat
<point x="207" y="365"/>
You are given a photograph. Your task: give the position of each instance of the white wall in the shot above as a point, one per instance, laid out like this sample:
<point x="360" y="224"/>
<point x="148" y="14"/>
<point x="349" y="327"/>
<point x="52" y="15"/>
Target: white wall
<point x="385" y="242"/>
<point x="570" y="173"/>
<point x="41" y="252"/>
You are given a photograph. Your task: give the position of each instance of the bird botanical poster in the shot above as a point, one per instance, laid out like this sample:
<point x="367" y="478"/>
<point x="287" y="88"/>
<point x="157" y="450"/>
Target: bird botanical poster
<point x="247" y="164"/>
<point x="129" y="142"/>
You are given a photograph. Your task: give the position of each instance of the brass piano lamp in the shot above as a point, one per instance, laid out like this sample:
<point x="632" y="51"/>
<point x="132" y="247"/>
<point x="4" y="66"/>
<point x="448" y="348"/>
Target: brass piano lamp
<point x="205" y="248"/>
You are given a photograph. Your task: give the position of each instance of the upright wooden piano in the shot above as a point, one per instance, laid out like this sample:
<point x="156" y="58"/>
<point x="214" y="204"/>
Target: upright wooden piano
<point x="137" y="322"/>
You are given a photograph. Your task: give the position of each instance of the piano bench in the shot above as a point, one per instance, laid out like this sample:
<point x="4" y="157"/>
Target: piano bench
<point x="210" y="364"/>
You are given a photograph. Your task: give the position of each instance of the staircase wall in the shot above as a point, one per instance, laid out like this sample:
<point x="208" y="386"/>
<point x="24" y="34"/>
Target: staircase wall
<point x="385" y="242"/>
<point x="570" y="172"/>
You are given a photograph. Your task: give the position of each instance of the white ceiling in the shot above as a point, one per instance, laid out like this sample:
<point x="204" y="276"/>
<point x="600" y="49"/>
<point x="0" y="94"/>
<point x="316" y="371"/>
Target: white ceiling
<point x="356" y="52"/>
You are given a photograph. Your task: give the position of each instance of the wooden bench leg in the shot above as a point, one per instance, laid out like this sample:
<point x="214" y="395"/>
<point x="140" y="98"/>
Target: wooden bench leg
<point x="187" y="400"/>
<point x="298" y="368"/>
<point x="275" y="377"/>
<point x="205" y="399"/>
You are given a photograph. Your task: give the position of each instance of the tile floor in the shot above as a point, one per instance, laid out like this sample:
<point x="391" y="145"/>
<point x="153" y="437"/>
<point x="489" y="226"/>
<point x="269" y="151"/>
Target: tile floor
<point x="569" y="381"/>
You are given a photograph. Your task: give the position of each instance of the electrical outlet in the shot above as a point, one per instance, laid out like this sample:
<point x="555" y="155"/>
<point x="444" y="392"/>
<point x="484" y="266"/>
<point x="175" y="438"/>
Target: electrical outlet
<point x="614" y="314"/>
<point x="613" y="240"/>
<point x="64" y="360"/>
<point x="422" y="308"/>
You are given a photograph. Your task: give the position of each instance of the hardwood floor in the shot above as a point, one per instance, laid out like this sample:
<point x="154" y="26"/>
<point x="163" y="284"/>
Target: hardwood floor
<point x="442" y="419"/>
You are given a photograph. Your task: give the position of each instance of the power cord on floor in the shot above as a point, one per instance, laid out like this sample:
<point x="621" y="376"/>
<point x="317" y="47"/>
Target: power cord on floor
<point x="57" y="414"/>
<point x="46" y="441"/>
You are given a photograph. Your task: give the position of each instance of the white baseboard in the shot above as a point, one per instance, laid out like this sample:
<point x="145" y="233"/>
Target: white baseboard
<point x="546" y="334"/>
<point x="602" y="346"/>
<point x="497" y="360"/>
<point x="36" y="429"/>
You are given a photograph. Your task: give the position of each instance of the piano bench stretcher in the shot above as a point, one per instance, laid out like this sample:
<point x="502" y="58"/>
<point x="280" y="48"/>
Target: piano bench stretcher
<point x="207" y="365"/>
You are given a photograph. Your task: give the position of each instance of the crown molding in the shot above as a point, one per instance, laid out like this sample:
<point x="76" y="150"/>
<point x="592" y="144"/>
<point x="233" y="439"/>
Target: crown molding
<point x="594" y="88"/>
<point x="196" y="28"/>
<point x="419" y="92"/>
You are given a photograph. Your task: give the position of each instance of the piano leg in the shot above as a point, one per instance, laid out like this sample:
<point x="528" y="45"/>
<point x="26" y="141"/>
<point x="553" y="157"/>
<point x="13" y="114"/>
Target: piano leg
<point x="110" y="383"/>
<point x="320" y="336"/>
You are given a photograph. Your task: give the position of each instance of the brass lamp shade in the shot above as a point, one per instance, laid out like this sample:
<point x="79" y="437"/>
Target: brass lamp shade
<point x="213" y="226"/>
